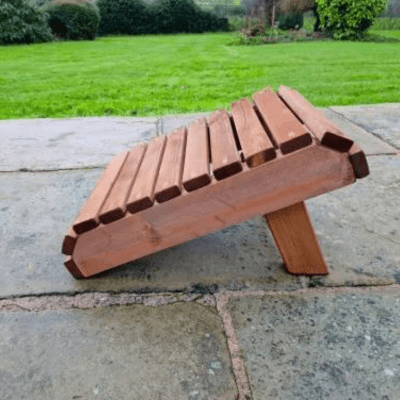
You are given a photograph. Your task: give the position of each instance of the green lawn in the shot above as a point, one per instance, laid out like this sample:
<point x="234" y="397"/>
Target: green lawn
<point x="156" y="75"/>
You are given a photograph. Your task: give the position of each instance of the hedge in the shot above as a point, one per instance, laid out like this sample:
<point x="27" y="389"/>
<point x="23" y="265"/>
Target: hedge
<point x="22" y="22"/>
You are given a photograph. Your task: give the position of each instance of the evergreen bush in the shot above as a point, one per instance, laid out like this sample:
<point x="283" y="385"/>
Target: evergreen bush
<point x="22" y="22"/>
<point x="73" y="20"/>
<point x="174" y="16"/>
<point x="132" y="17"/>
<point x="125" y="17"/>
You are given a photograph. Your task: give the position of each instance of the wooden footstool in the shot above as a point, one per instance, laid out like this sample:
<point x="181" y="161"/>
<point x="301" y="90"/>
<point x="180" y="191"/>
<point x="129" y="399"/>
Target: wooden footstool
<point x="265" y="158"/>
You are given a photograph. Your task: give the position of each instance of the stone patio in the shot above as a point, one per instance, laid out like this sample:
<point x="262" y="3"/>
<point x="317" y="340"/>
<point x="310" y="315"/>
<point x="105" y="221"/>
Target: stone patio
<point x="214" y="318"/>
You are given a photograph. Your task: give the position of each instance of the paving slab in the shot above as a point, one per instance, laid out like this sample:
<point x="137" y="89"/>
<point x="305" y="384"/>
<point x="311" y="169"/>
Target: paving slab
<point x="359" y="227"/>
<point x="45" y="144"/>
<point x="383" y="120"/>
<point x="36" y="209"/>
<point x="371" y="144"/>
<point x="330" y="344"/>
<point x="135" y="352"/>
<point x="171" y="122"/>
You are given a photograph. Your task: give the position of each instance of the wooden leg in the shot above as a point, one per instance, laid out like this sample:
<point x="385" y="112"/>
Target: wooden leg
<point x="296" y="241"/>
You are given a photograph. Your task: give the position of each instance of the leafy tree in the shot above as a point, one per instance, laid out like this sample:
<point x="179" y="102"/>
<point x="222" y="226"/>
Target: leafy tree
<point x="349" y="19"/>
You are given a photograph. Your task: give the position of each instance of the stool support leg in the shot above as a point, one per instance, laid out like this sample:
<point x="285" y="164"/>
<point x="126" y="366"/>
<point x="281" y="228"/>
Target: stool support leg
<point x="296" y="240"/>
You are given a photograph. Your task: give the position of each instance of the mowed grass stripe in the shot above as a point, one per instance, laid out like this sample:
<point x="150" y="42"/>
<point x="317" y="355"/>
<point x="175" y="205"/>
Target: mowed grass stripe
<point x="157" y="75"/>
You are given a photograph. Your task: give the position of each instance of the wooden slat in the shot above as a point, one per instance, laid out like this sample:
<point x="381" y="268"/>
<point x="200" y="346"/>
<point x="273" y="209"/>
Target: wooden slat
<point x="196" y="172"/>
<point x="224" y="153"/>
<point x="88" y="217"/>
<point x="296" y="240"/>
<point x="327" y="133"/>
<point x="69" y="242"/>
<point x="114" y="207"/>
<point x="169" y="181"/>
<point x="359" y="162"/>
<point x="257" y="147"/>
<point x="73" y="268"/>
<point x="285" y="128"/>
<point x="142" y="192"/>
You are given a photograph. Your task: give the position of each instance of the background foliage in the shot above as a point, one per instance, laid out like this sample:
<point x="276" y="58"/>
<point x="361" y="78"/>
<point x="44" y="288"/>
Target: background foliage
<point x="132" y="17"/>
<point x="129" y="17"/>
<point x="22" y="22"/>
<point x="349" y="19"/>
<point x="73" y="20"/>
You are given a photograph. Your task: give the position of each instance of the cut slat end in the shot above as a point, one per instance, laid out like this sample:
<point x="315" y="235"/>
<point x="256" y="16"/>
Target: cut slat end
<point x="68" y="245"/>
<point x="296" y="143"/>
<point x="314" y="271"/>
<point x="73" y="268"/>
<point x="197" y="183"/>
<point x="359" y="162"/>
<point x="336" y="142"/>
<point x="227" y="171"/>
<point x="84" y="226"/>
<point x="112" y="215"/>
<point x="261" y="158"/>
<point x="168" y="194"/>
<point x="139" y="205"/>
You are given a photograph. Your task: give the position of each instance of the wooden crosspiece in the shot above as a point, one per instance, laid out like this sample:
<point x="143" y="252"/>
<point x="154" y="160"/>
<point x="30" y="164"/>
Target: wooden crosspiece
<point x="265" y="158"/>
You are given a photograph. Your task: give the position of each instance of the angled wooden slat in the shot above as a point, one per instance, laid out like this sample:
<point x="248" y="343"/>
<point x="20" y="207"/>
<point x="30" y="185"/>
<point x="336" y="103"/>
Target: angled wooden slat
<point x="115" y="205"/>
<point x="326" y="132"/>
<point x="256" y="146"/>
<point x="359" y="162"/>
<point x="88" y="217"/>
<point x="224" y="153"/>
<point x="169" y="181"/>
<point x="141" y="195"/>
<point x="285" y="128"/>
<point x="196" y="171"/>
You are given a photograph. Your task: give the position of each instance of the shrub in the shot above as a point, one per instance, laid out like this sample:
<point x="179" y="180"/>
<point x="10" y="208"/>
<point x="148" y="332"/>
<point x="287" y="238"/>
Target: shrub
<point x="127" y="17"/>
<point x="348" y="19"/>
<point x="21" y="22"/>
<point x="292" y="20"/>
<point x="174" y="16"/>
<point x="73" y="20"/>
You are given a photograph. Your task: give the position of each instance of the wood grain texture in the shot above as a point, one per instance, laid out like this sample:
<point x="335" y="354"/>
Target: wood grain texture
<point x="224" y="153"/>
<point x="327" y="133"/>
<point x="296" y="240"/>
<point x="141" y="195"/>
<point x="287" y="131"/>
<point x="88" y="217"/>
<point x="169" y="181"/>
<point x="115" y="205"/>
<point x="272" y="186"/>
<point x="359" y="162"/>
<point x="196" y="172"/>
<point x="256" y="146"/>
